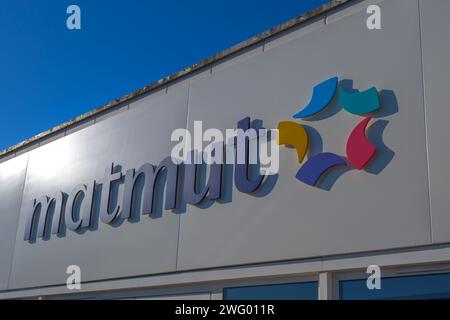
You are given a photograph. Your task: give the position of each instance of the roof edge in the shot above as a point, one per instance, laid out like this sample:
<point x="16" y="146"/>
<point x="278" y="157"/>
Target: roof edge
<point x="177" y="75"/>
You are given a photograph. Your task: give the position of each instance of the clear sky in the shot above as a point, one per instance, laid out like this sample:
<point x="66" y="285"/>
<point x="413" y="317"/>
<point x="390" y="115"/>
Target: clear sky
<point x="49" y="74"/>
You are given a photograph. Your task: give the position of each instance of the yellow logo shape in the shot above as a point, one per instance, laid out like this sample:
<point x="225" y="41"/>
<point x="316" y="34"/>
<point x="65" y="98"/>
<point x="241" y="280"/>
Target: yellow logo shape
<point x="293" y="134"/>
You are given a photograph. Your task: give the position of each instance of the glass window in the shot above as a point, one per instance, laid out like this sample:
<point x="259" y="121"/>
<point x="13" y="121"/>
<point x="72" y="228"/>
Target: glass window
<point x="287" y="291"/>
<point x="432" y="286"/>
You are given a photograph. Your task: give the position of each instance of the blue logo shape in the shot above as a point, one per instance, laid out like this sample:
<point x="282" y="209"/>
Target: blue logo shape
<point x="359" y="102"/>
<point x="322" y="95"/>
<point x="316" y="166"/>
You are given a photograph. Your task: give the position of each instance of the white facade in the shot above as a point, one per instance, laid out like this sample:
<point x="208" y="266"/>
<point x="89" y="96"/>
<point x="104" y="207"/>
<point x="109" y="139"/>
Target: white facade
<point x="395" y="213"/>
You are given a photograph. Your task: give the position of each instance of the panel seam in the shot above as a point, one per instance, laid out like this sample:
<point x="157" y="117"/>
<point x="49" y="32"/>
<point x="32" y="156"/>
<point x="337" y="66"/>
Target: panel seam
<point x="425" y="123"/>
<point x="18" y="223"/>
<point x="179" y="214"/>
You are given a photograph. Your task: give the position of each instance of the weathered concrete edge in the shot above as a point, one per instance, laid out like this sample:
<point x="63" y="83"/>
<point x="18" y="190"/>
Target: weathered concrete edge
<point x="176" y="76"/>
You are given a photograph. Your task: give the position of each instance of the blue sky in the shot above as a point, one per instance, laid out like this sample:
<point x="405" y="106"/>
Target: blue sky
<point x="49" y="74"/>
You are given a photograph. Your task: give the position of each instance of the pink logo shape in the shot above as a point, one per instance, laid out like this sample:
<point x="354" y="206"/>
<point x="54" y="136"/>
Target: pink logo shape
<point x="359" y="149"/>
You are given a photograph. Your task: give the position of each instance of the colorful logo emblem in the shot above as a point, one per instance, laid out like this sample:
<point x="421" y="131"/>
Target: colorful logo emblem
<point x="359" y="149"/>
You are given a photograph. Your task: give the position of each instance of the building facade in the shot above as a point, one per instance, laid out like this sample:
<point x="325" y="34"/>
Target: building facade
<point x="64" y="193"/>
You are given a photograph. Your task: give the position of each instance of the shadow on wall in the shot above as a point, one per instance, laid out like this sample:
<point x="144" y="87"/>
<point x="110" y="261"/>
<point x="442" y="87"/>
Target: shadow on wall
<point x="138" y="196"/>
<point x="383" y="155"/>
<point x="382" y="158"/>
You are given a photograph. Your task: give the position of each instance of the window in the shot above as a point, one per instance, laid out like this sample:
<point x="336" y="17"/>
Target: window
<point x="287" y="291"/>
<point x="431" y="286"/>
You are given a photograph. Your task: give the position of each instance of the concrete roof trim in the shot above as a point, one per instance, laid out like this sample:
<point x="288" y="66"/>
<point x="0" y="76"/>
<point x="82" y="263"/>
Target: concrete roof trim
<point x="176" y="76"/>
